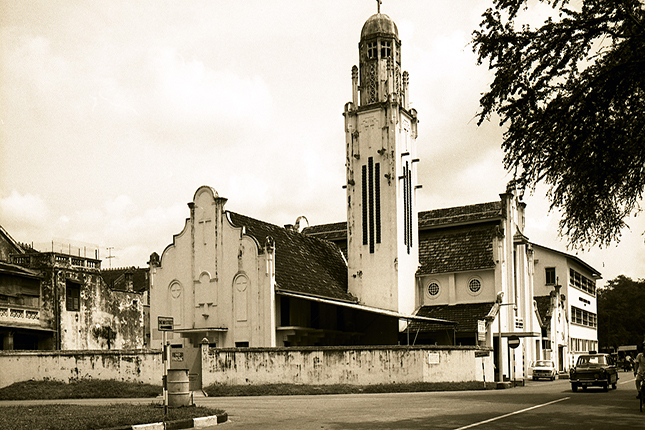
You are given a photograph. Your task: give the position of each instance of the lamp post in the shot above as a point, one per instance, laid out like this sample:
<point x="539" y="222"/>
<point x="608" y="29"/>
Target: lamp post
<point x="500" y="297"/>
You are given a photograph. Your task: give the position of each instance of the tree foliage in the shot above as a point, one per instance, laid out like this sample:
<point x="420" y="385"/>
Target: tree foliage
<point x="572" y="95"/>
<point x="621" y="312"/>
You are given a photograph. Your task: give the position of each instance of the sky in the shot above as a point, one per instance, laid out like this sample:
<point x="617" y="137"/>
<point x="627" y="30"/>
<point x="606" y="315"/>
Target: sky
<point x="112" y="114"/>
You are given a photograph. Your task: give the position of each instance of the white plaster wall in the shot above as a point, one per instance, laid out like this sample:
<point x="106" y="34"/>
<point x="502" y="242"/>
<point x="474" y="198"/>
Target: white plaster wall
<point x="67" y="366"/>
<point x="344" y="365"/>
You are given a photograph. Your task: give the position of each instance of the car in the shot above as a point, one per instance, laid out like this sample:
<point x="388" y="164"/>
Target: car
<point x="544" y="369"/>
<point x="594" y="369"/>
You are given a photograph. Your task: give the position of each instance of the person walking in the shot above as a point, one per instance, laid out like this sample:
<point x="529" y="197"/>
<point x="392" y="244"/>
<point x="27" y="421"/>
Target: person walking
<point x="639" y="371"/>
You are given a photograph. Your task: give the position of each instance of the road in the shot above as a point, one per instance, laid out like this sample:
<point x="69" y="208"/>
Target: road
<point x="538" y="405"/>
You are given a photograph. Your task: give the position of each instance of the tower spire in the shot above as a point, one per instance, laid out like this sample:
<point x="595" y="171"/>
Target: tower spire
<point x="378" y="6"/>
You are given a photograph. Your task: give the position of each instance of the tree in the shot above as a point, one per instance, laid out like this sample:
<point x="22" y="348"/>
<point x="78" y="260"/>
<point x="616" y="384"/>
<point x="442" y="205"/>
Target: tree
<point x="572" y="95"/>
<point x="621" y="315"/>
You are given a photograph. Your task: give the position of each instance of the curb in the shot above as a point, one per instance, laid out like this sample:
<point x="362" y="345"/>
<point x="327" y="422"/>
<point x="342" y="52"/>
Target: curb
<point x="190" y="423"/>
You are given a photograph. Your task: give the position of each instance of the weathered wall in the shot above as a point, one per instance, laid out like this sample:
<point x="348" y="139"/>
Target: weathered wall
<point x="344" y="365"/>
<point x="68" y="366"/>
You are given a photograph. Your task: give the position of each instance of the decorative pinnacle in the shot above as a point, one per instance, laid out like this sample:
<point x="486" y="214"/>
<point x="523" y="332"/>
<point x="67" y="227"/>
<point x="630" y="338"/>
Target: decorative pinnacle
<point x="378" y="6"/>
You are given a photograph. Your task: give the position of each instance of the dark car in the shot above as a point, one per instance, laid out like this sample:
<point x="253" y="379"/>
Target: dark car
<point x="594" y="370"/>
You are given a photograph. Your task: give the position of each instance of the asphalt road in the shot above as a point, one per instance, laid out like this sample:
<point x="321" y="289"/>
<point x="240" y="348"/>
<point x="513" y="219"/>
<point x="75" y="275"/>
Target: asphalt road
<point x="537" y="405"/>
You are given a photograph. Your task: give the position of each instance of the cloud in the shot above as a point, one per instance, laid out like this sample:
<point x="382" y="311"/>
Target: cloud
<point x="24" y="211"/>
<point x="193" y="92"/>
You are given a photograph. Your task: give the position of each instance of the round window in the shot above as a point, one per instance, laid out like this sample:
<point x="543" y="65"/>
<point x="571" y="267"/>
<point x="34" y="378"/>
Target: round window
<point x="433" y="289"/>
<point x="475" y="286"/>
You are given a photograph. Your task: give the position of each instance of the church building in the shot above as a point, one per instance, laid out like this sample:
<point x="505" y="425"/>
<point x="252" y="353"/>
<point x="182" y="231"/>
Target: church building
<point x="388" y="275"/>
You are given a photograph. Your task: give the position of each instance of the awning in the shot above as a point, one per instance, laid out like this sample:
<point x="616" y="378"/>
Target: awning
<point x="14" y="326"/>
<point x="360" y="307"/>
<point x="198" y="330"/>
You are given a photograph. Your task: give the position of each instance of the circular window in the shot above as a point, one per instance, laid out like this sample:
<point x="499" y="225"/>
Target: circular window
<point x="475" y="286"/>
<point x="433" y="289"/>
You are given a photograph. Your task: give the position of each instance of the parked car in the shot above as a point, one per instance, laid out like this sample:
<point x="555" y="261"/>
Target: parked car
<point x="594" y="370"/>
<point x="544" y="369"/>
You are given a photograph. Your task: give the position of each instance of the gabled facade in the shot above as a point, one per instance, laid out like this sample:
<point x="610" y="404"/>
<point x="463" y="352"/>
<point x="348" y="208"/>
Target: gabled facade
<point x="565" y="295"/>
<point x="229" y="280"/>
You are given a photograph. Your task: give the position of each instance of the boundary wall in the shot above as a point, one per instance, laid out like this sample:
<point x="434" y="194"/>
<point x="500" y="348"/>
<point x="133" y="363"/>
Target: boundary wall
<point x="68" y="366"/>
<point x="346" y="365"/>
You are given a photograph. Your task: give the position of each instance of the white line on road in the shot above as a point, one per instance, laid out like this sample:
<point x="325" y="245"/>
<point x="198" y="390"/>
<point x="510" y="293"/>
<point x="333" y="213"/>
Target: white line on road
<point x="512" y="413"/>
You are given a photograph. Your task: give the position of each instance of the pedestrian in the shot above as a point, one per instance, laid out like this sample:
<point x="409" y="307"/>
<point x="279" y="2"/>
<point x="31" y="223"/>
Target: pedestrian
<point x="639" y="371"/>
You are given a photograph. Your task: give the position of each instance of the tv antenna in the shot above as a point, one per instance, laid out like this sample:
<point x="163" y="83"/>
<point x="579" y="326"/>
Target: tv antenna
<point x="110" y="256"/>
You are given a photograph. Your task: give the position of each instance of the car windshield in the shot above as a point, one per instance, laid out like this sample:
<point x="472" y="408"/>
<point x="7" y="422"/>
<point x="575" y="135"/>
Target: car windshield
<point x="591" y="360"/>
<point x="543" y="363"/>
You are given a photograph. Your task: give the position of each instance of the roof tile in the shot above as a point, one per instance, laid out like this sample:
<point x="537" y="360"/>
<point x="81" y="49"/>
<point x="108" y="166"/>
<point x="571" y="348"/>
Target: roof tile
<point x="303" y="263"/>
<point x="465" y="315"/>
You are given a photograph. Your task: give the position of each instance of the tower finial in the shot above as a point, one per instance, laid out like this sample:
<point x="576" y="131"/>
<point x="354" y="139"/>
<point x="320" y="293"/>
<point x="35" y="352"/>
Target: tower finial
<point x="378" y="6"/>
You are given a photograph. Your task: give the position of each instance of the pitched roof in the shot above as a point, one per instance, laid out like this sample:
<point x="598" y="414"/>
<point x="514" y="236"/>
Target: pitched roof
<point x="464" y="315"/>
<point x="454" y="250"/>
<point x="594" y="273"/>
<point x="470" y="214"/>
<point x="17" y="270"/>
<point x="332" y="232"/>
<point x="115" y="278"/>
<point x="303" y="263"/>
<point x="480" y="212"/>
<point x="543" y="308"/>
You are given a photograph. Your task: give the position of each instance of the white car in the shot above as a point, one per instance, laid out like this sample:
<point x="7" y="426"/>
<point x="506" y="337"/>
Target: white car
<point x="544" y="369"/>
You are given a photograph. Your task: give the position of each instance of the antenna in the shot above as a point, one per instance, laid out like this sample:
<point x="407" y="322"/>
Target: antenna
<point x="110" y="256"/>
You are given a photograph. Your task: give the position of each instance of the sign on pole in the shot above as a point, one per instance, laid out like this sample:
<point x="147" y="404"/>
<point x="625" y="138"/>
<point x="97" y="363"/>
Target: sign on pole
<point x="513" y="341"/>
<point x="165" y="323"/>
<point x="481" y="330"/>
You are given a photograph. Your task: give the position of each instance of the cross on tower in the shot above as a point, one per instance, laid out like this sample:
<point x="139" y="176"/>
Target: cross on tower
<point x="378" y="6"/>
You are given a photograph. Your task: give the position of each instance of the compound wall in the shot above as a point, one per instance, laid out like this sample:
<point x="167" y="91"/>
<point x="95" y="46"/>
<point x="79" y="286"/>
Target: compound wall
<point x="67" y="366"/>
<point x="345" y="365"/>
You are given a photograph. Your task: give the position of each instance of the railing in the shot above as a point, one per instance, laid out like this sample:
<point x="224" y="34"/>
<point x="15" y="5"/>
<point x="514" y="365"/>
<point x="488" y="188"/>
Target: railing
<point x="55" y="258"/>
<point x="19" y="315"/>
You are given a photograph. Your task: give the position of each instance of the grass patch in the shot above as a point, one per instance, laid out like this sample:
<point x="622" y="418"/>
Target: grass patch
<point x="79" y="417"/>
<point x="83" y="389"/>
<point x="219" y="390"/>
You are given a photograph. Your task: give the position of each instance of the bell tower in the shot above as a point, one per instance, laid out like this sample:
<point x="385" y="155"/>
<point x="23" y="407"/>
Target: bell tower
<point x="381" y="131"/>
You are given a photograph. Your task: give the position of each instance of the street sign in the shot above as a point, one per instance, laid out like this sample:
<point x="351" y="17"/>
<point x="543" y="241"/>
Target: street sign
<point x="165" y="323"/>
<point x="513" y="341"/>
<point x="481" y="330"/>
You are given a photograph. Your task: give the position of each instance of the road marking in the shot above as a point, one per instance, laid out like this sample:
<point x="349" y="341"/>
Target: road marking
<point x="512" y="413"/>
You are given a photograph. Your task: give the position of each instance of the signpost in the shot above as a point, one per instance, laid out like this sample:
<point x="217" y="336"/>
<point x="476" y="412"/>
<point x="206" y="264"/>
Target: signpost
<point x="513" y="341"/>
<point x="164" y="325"/>
<point x="481" y="330"/>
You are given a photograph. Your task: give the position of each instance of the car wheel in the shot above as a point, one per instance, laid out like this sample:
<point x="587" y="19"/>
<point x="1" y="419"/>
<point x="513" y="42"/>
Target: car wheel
<point x="613" y="386"/>
<point x="605" y="386"/>
<point x="574" y="387"/>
